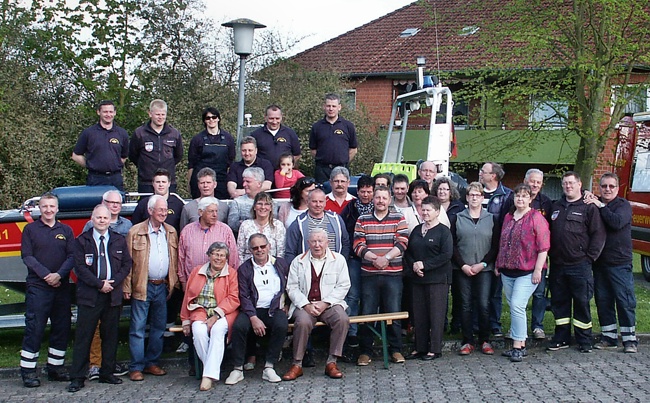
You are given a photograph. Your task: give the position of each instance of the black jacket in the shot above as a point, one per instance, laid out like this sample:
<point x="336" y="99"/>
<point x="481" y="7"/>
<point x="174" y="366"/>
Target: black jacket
<point x="617" y="217"/>
<point x="248" y="295"/>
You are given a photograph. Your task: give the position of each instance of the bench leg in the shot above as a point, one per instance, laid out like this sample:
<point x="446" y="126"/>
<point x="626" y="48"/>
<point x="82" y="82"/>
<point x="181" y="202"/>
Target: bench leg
<point x="384" y="343"/>
<point x="198" y="366"/>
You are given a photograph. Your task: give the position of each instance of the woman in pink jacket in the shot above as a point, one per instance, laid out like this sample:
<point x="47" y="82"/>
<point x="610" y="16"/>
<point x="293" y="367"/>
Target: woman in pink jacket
<point x="209" y="309"/>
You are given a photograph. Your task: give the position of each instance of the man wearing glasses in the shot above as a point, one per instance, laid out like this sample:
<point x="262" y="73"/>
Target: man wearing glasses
<point x="262" y="282"/>
<point x="613" y="279"/>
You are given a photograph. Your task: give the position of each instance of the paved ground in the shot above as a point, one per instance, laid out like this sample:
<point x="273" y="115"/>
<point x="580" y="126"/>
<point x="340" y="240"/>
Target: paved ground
<point x="562" y="376"/>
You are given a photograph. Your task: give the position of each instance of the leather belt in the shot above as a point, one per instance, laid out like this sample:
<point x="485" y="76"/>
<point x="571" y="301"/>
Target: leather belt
<point x="158" y="282"/>
<point x="105" y="173"/>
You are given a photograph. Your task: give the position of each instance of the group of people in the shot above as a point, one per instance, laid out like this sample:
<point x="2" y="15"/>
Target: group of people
<point x="399" y="245"/>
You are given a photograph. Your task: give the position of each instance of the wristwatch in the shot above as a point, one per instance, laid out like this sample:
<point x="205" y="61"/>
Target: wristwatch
<point x="484" y="264"/>
<point x="601" y="205"/>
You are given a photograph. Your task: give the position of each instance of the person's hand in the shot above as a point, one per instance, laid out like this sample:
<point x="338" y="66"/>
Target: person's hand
<point x="107" y="286"/>
<point x="497" y="272"/>
<point x="537" y="276"/>
<point x="127" y="295"/>
<point x="284" y="171"/>
<point x="186" y="330"/>
<point x="211" y="321"/>
<point x="590" y="198"/>
<point x="258" y="326"/>
<point x="418" y="268"/>
<point x="312" y="309"/>
<point x="169" y="294"/>
<point x="476" y="268"/>
<point x="381" y="262"/>
<point x="53" y="279"/>
<point x="467" y="269"/>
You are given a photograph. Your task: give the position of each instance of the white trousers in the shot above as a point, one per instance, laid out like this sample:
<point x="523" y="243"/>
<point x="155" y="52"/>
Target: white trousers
<point x="210" y="347"/>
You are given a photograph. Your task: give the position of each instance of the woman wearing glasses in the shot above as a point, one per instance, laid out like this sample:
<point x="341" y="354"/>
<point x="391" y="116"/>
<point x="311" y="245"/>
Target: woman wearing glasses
<point x="297" y="204"/>
<point x="213" y="148"/>
<point x="476" y="241"/>
<point x="262" y="222"/>
<point x="210" y="307"/>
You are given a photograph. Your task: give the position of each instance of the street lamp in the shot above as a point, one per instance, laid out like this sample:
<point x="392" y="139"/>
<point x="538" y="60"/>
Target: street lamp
<point x="243" y="36"/>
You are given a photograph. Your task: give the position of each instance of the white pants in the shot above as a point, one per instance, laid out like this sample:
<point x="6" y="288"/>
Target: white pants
<point x="210" y="347"/>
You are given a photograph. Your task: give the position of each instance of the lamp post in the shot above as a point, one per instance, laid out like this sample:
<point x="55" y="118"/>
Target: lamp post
<point x="243" y="37"/>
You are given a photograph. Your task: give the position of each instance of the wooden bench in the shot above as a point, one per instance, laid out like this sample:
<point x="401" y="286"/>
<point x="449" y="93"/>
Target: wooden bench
<point x="384" y="319"/>
<point x="369" y="321"/>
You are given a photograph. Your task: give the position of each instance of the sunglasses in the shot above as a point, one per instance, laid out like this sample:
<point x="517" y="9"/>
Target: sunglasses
<point x="260" y="247"/>
<point x="211" y="117"/>
<point x="608" y="186"/>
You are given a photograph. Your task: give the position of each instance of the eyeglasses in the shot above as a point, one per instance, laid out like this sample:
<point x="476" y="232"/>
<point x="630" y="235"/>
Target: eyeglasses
<point x="485" y="173"/>
<point x="263" y="204"/>
<point x="474" y="196"/>
<point x="112" y="202"/>
<point x="606" y="186"/>
<point x="211" y="117"/>
<point x="259" y="247"/>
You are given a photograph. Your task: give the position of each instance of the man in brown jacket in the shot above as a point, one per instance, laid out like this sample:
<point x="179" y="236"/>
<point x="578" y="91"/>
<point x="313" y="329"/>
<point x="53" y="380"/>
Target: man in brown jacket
<point x="153" y="245"/>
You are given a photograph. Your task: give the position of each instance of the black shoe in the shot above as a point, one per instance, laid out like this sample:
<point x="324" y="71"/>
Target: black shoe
<point x="585" y="348"/>
<point x="496" y="332"/>
<point x="120" y="369"/>
<point x="428" y="357"/>
<point x="353" y="341"/>
<point x="76" y="385"/>
<point x="508" y="353"/>
<point x="58" y="375"/>
<point x="415" y="356"/>
<point x="308" y="360"/>
<point x="556" y="345"/>
<point x="516" y="355"/>
<point x="30" y="380"/>
<point x="112" y="379"/>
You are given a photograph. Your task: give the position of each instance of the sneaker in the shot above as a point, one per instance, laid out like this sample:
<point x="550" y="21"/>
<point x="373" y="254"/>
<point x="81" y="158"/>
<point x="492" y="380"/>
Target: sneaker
<point x="486" y="348"/>
<point x="508" y="353"/>
<point x="516" y="355"/>
<point x="182" y="348"/>
<point x="363" y="360"/>
<point x="270" y="375"/>
<point x="556" y="345"/>
<point x="605" y="345"/>
<point x="353" y="341"/>
<point x="120" y="369"/>
<point x="93" y="373"/>
<point x="630" y="348"/>
<point x="466" y="349"/>
<point x="497" y="332"/>
<point x="235" y="376"/>
<point x="585" y="348"/>
<point x="397" y="357"/>
<point x="508" y="335"/>
<point x="539" y="334"/>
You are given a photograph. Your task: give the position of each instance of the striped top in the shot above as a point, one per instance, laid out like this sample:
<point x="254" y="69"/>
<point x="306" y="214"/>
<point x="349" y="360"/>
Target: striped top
<point x="379" y="237"/>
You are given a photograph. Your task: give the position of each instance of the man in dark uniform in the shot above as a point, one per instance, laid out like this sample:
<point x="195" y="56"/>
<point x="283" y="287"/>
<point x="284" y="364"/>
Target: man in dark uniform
<point x="103" y="148"/>
<point x="613" y="279"/>
<point x="213" y="148"/>
<point x="577" y="238"/>
<point x="249" y="159"/>
<point x="102" y="262"/>
<point x="47" y="251"/>
<point x="329" y="138"/>
<point x="161" y="183"/>
<point x="275" y="139"/>
<point x="156" y="144"/>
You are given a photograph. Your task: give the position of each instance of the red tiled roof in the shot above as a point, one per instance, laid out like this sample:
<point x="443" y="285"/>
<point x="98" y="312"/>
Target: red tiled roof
<point x="377" y="48"/>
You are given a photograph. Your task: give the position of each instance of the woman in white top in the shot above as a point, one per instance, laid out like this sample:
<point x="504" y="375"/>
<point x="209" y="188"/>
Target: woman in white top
<point x="262" y="222"/>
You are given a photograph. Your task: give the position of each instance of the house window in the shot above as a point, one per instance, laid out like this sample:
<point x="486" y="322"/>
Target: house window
<point x="639" y="98"/>
<point x="350" y="99"/>
<point x="548" y="114"/>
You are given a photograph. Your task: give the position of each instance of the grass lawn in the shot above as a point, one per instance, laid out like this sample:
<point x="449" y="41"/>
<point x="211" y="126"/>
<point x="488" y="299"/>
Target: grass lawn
<point x="12" y="338"/>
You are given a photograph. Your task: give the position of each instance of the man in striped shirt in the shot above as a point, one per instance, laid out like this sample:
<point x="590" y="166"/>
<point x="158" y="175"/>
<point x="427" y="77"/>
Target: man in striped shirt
<point x="380" y="240"/>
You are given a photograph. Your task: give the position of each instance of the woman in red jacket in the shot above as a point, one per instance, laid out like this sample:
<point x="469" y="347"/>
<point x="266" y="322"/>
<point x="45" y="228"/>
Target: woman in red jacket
<point x="209" y="309"/>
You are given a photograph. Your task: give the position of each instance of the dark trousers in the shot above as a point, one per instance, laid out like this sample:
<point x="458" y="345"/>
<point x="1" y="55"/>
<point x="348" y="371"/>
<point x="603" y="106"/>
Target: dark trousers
<point x="572" y="288"/>
<point x="42" y="304"/>
<point x="429" y="308"/>
<point x="614" y="294"/>
<point x="97" y="179"/>
<point x="322" y="171"/>
<point x="456" y="303"/>
<point x="276" y="331"/>
<point x="475" y="293"/>
<point x="496" y="302"/>
<point x="539" y="304"/>
<point x="383" y="294"/>
<point x="88" y="317"/>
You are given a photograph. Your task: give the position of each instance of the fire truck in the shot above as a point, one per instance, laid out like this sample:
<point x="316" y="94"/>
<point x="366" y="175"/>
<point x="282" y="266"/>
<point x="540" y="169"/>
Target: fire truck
<point x="632" y="165"/>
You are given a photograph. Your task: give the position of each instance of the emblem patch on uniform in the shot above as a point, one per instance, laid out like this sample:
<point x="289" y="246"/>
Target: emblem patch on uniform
<point x="60" y="237"/>
<point x="170" y="211"/>
<point x="89" y="259"/>
<point x="282" y="140"/>
<point x="114" y="141"/>
<point x="338" y="131"/>
<point x="148" y="146"/>
<point x="555" y="214"/>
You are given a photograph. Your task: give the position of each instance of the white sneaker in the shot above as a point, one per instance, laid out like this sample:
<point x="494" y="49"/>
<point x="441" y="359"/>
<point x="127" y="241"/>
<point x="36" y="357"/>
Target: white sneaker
<point x="270" y="375"/>
<point x="539" y="334"/>
<point x="235" y="376"/>
<point x="182" y="348"/>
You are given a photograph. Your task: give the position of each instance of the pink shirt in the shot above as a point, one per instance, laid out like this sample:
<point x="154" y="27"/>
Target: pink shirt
<point x="285" y="182"/>
<point x="194" y="244"/>
<point x="522" y="240"/>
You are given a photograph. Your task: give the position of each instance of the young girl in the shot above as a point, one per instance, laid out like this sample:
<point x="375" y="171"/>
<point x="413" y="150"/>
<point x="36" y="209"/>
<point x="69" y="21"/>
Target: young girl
<point x="286" y="176"/>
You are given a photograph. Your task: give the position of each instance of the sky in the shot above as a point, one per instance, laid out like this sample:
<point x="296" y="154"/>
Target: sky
<point x="315" y="20"/>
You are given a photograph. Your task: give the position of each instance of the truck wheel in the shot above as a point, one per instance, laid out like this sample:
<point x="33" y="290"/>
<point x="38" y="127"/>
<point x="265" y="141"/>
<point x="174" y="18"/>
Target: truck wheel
<point x="645" y="267"/>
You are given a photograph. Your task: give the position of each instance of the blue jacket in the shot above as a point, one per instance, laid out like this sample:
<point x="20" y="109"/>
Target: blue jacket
<point x="298" y="235"/>
<point x="248" y="294"/>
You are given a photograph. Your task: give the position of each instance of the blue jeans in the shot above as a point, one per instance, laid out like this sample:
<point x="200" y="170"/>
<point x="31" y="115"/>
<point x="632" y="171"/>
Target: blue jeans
<point x="614" y="292"/>
<point x="352" y="299"/>
<point x="383" y="294"/>
<point x="475" y="300"/>
<point x="496" y="303"/>
<point x="155" y="307"/>
<point x="518" y="291"/>
<point x="538" y="309"/>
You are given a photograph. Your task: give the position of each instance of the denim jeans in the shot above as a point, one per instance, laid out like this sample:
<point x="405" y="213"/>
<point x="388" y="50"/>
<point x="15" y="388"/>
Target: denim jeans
<point x="538" y="309"/>
<point x="383" y="294"/>
<point x="155" y="307"/>
<point x="496" y="303"/>
<point x="475" y="293"/>
<point x="614" y="292"/>
<point x="353" y="297"/>
<point x="518" y="291"/>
